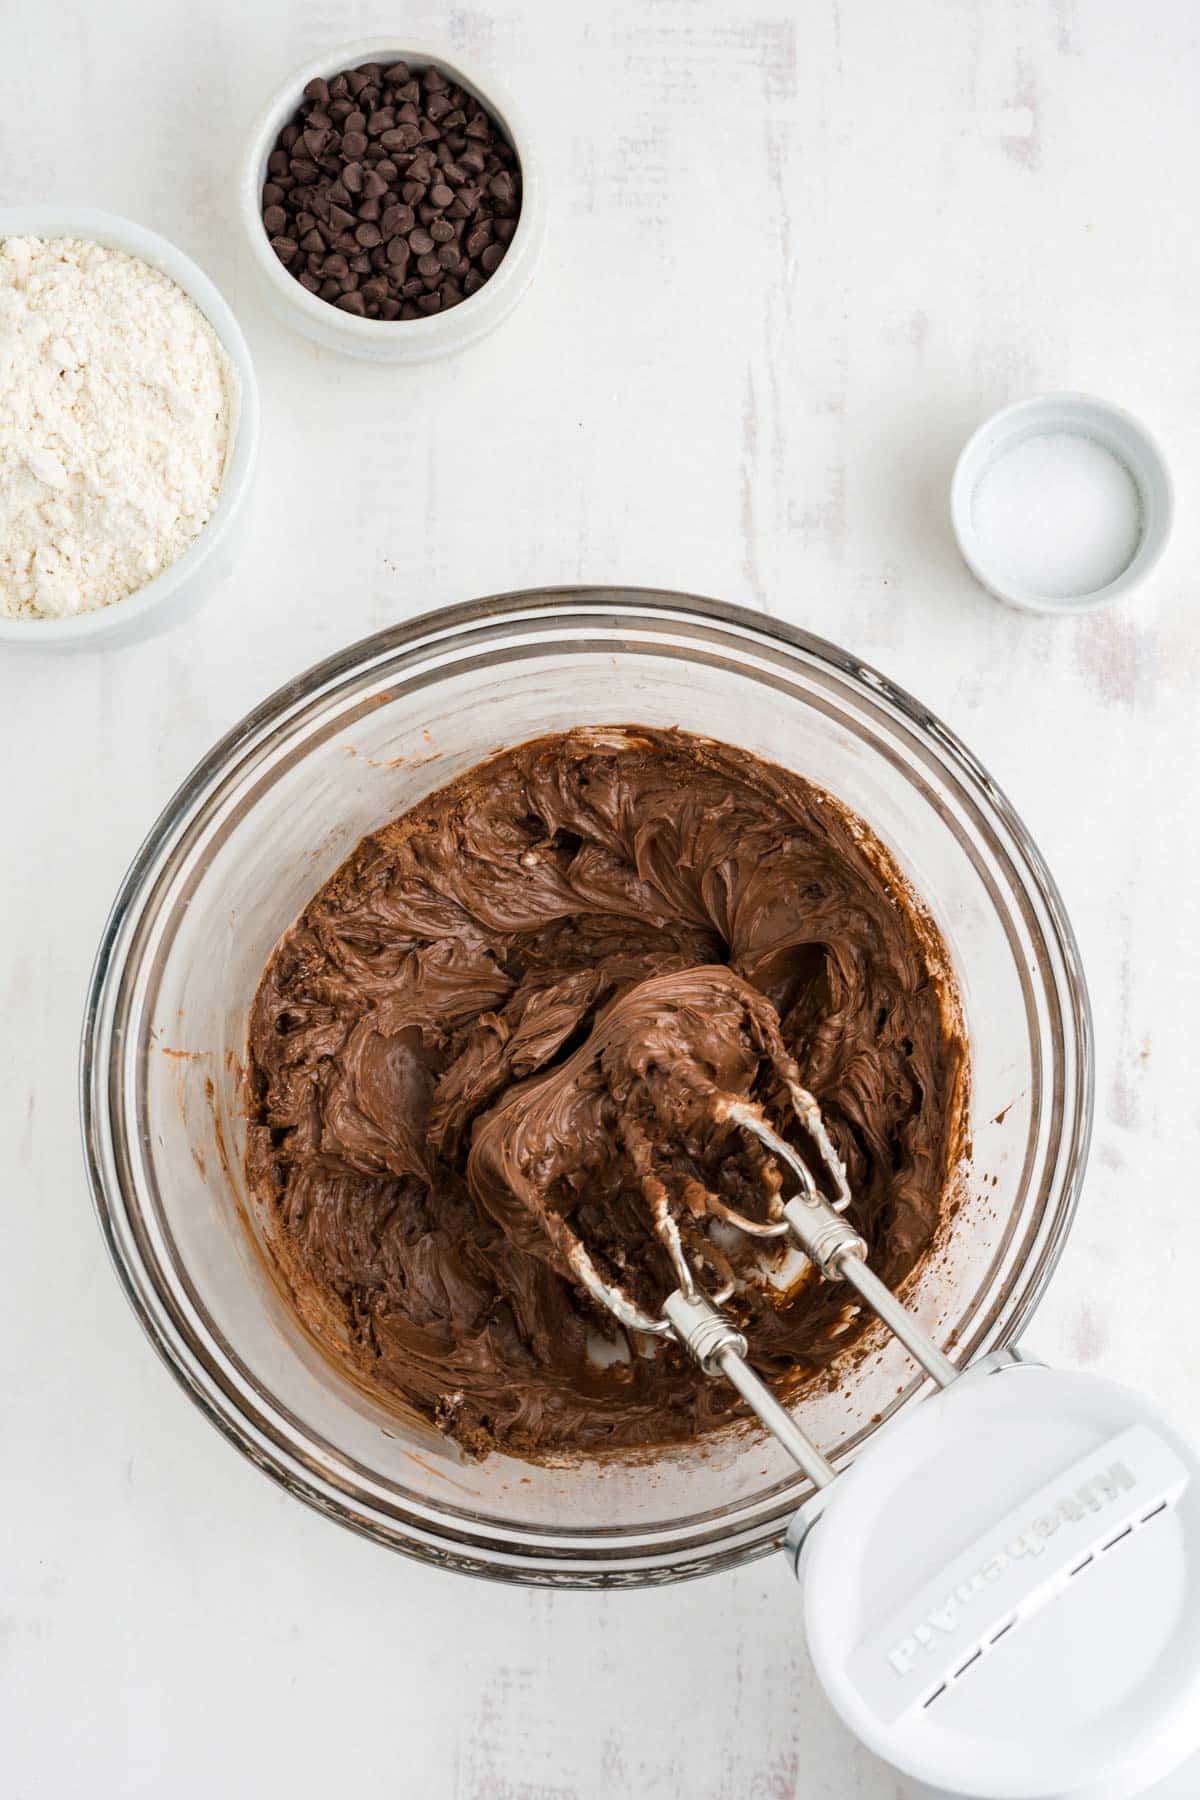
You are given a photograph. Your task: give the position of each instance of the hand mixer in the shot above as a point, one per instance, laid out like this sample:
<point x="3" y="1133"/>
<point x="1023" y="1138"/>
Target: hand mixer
<point x="999" y="1595"/>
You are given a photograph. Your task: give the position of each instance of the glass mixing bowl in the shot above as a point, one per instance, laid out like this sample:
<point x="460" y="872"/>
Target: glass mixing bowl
<point x="270" y="814"/>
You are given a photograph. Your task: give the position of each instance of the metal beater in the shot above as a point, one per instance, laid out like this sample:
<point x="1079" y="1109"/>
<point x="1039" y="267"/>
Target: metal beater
<point x="807" y="1221"/>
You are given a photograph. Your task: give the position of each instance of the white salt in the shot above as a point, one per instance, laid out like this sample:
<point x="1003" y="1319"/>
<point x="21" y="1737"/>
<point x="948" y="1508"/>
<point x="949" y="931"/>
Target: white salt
<point x="1057" y="515"/>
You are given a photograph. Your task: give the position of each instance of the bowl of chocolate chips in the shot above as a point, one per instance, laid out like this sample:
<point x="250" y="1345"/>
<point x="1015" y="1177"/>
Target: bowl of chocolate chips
<point x="393" y="205"/>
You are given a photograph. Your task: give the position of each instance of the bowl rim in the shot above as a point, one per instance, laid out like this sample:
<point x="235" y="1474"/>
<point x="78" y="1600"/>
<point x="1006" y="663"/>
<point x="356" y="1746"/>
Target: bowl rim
<point x="1038" y="413"/>
<point x="532" y="1557"/>
<point x="116" y="232"/>
<point x="417" y="339"/>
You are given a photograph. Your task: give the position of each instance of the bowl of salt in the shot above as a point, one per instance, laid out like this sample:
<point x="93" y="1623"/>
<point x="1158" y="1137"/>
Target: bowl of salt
<point x="1061" y="503"/>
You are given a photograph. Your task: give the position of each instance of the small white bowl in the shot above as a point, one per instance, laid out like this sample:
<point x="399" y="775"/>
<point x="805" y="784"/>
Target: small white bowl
<point x="1079" y="415"/>
<point x="394" y="340"/>
<point x="207" y="561"/>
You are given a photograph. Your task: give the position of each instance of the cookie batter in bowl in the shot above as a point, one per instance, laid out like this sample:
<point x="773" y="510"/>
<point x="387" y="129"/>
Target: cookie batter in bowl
<point x="469" y="950"/>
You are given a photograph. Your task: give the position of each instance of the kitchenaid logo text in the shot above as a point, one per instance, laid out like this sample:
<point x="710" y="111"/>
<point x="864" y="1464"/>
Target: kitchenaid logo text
<point x="1092" y="1497"/>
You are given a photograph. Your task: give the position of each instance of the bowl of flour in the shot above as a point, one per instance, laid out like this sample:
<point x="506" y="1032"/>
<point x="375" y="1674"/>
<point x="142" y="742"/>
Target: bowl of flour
<point x="128" y="429"/>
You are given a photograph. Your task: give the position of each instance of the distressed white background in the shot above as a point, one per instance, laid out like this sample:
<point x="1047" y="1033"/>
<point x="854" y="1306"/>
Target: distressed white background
<point x="797" y="251"/>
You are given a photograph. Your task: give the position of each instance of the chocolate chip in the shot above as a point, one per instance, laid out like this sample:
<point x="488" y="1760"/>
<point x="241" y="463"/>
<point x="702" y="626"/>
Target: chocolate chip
<point x="429" y="264"/>
<point x="491" y="259"/>
<point x="374" y="186"/>
<point x="368" y="235"/>
<point x="441" y="231"/>
<point x="440" y="194"/>
<point x="420" y="241"/>
<point x="353" y="144"/>
<point x="275" y="220"/>
<point x="398" y="73"/>
<point x="432" y="80"/>
<point x="398" y="253"/>
<point x="310" y="282"/>
<point x="272" y="195"/>
<point x="317" y="90"/>
<point x="352" y="177"/>
<point x="284" y="248"/>
<point x="340" y="219"/>
<point x="397" y="219"/>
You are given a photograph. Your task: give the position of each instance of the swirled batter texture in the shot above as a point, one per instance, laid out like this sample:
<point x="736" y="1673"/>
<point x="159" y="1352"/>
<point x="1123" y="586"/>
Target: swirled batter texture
<point x="510" y="1007"/>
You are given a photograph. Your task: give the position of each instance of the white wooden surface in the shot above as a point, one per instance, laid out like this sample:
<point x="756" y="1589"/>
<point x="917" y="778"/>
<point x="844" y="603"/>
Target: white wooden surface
<point x="797" y="251"/>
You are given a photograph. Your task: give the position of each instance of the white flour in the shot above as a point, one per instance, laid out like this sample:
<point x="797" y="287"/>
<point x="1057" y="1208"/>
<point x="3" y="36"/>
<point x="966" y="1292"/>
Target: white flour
<point x="116" y="416"/>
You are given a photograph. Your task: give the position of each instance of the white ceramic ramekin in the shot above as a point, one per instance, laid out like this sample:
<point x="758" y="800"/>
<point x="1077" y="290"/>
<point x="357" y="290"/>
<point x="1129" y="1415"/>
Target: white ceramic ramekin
<point x="393" y="340"/>
<point x="192" y="577"/>
<point x="1081" y="415"/>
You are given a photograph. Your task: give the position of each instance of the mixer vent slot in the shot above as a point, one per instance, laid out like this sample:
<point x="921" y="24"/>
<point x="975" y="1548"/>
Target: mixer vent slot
<point x="1092" y="1557"/>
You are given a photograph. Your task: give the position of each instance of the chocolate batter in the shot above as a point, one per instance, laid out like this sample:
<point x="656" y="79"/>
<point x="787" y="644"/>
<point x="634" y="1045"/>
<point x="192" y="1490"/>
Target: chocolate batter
<point x="503" y="1021"/>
